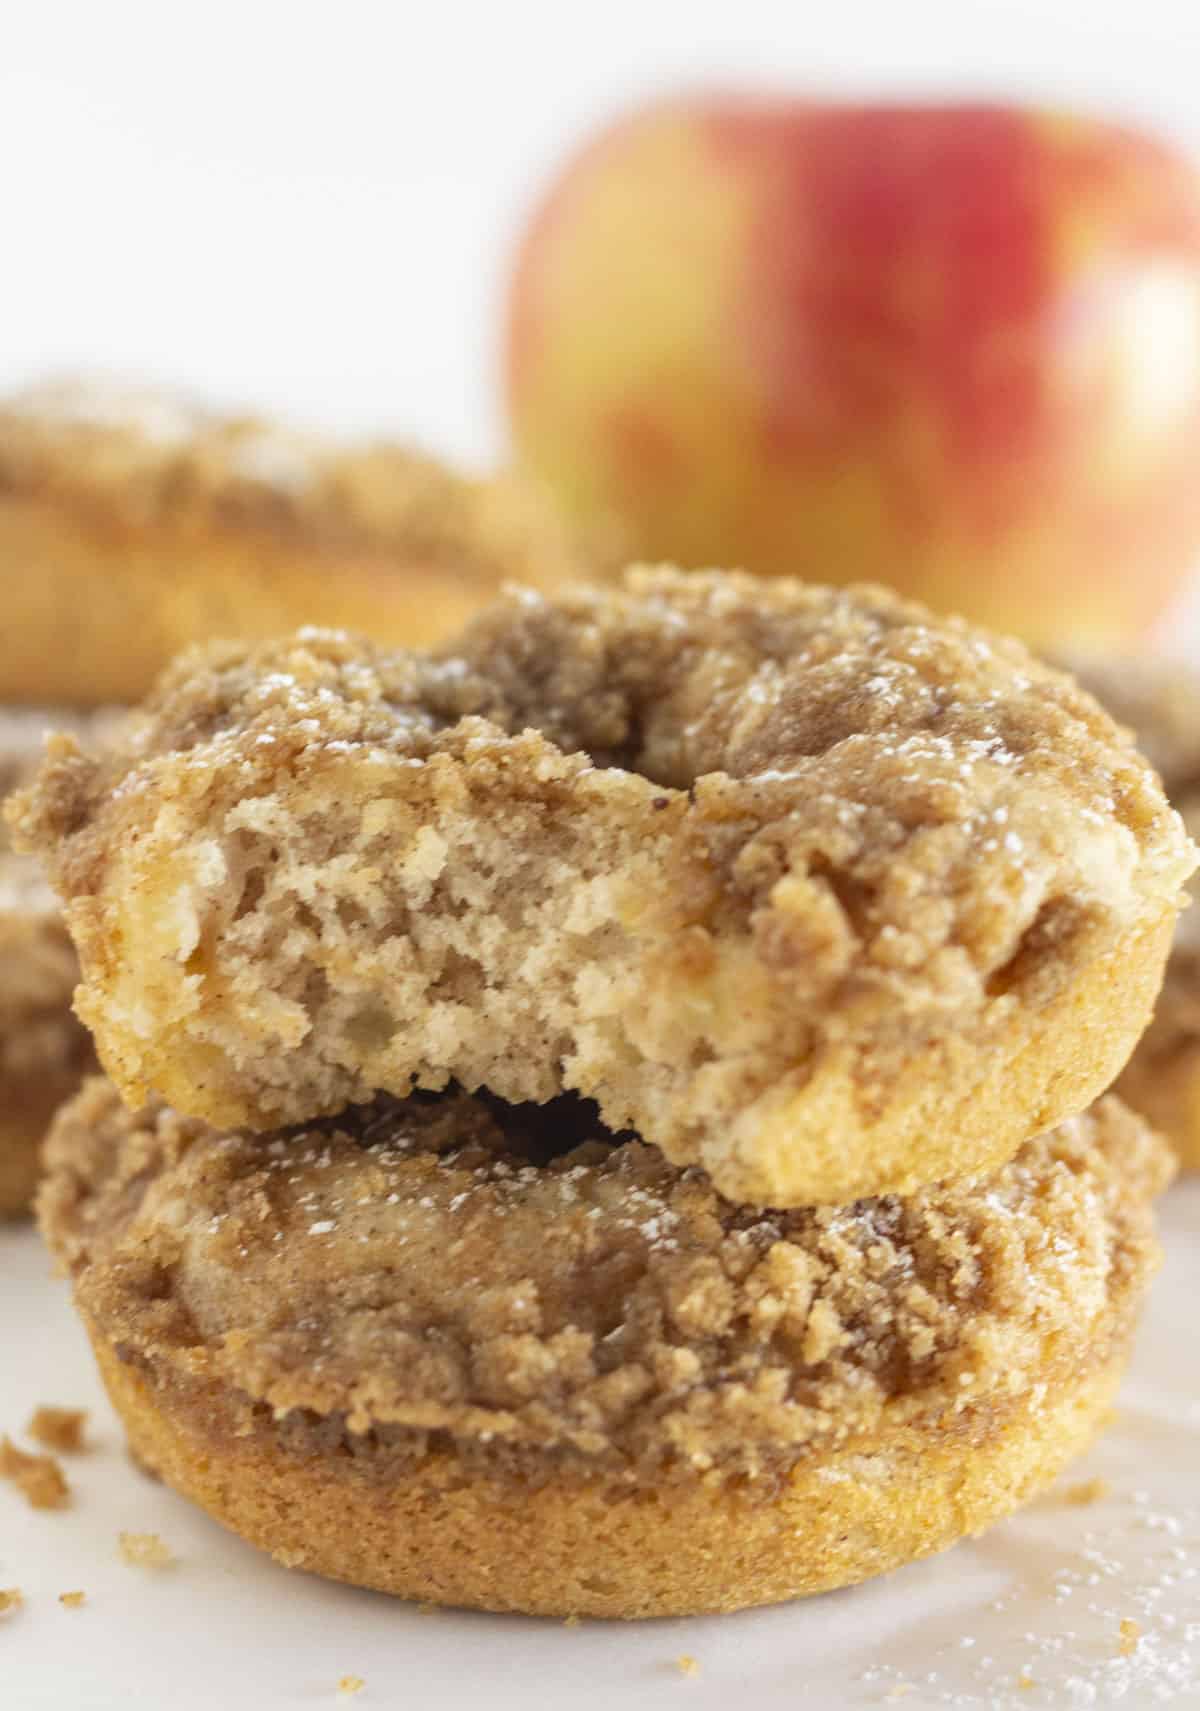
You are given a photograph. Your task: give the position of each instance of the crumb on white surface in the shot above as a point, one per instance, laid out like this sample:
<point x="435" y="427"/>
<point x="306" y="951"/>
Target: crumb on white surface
<point x="145" y="1550"/>
<point x="349" y="1685"/>
<point x="1130" y="1633"/>
<point x="72" y="1600"/>
<point x="11" y="1598"/>
<point x="687" y="1665"/>
<point x="39" y="1479"/>
<point x="1085" y="1492"/>
<point x="58" y="1428"/>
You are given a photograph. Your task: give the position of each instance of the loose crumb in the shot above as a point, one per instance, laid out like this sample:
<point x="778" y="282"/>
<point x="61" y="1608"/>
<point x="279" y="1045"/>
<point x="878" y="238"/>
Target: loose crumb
<point x="72" y="1600"/>
<point x="1086" y="1492"/>
<point x="145" y="1550"/>
<point x="426" y="1609"/>
<point x="11" y="1598"/>
<point x="58" y="1428"/>
<point x="40" y="1479"/>
<point x="289" y="1558"/>
<point x="1131" y="1634"/>
<point x="571" y="1621"/>
<point x="1026" y="1683"/>
<point x="687" y="1665"/>
<point x="349" y="1685"/>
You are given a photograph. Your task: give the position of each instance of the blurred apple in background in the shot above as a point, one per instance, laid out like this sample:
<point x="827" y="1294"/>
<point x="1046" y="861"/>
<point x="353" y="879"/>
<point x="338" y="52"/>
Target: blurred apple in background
<point x="956" y="349"/>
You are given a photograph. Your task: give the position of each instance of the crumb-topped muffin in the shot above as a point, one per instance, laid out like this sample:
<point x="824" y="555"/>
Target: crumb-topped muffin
<point x="1159" y="699"/>
<point x="134" y="521"/>
<point x="44" y="1050"/>
<point x="806" y="885"/>
<point x="496" y="1356"/>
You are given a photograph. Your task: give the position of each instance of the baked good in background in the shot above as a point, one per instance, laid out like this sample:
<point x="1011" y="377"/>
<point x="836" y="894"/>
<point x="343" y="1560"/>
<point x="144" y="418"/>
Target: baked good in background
<point x="44" y="1050"/>
<point x="133" y="522"/>
<point x="811" y="887"/>
<point x="497" y="1357"/>
<point x="1159" y="699"/>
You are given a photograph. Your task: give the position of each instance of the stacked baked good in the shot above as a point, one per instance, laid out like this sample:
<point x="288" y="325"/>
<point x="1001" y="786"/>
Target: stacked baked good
<point x="133" y="522"/>
<point x="1159" y="700"/>
<point x="44" y="1050"/>
<point x="600" y="1113"/>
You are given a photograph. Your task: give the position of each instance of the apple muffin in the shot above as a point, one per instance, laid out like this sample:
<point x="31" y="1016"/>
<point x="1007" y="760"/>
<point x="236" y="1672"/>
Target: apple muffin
<point x="810" y="887"/>
<point x="1160" y="701"/>
<point x="44" y="1050"/>
<point x="496" y="1356"/>
<point x="133" y="522"/>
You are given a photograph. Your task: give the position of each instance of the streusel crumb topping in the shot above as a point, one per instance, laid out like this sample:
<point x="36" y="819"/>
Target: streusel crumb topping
<point x="519" y="1279"/>
<point x="149" y="456"/>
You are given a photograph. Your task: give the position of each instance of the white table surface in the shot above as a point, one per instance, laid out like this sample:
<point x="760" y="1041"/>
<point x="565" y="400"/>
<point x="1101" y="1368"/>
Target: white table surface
<point x="225" y="1629"/>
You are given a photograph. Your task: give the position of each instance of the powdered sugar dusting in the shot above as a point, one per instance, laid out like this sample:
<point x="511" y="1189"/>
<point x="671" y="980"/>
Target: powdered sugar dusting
<point x="1110" y="1618"/>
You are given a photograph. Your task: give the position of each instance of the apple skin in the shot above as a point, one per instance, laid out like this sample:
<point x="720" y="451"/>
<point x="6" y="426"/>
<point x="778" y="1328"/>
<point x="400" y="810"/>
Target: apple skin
<point x="951" y="348"/>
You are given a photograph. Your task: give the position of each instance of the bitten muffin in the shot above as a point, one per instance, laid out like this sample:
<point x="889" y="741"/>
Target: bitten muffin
<point x="134" y="522"/>
<point x="494" y="1356"/>
<point x="809" y="886"/>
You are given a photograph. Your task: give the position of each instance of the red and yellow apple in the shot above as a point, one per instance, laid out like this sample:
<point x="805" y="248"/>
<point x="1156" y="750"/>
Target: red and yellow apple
<point x="955" y="349"/>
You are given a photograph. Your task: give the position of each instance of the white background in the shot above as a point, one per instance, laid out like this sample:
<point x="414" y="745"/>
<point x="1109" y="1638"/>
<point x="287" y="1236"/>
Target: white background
<point x="308" y="209"/>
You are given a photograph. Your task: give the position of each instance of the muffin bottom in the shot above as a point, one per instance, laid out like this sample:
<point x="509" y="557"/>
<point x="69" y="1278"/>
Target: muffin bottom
<point x="433" y="1528"/>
